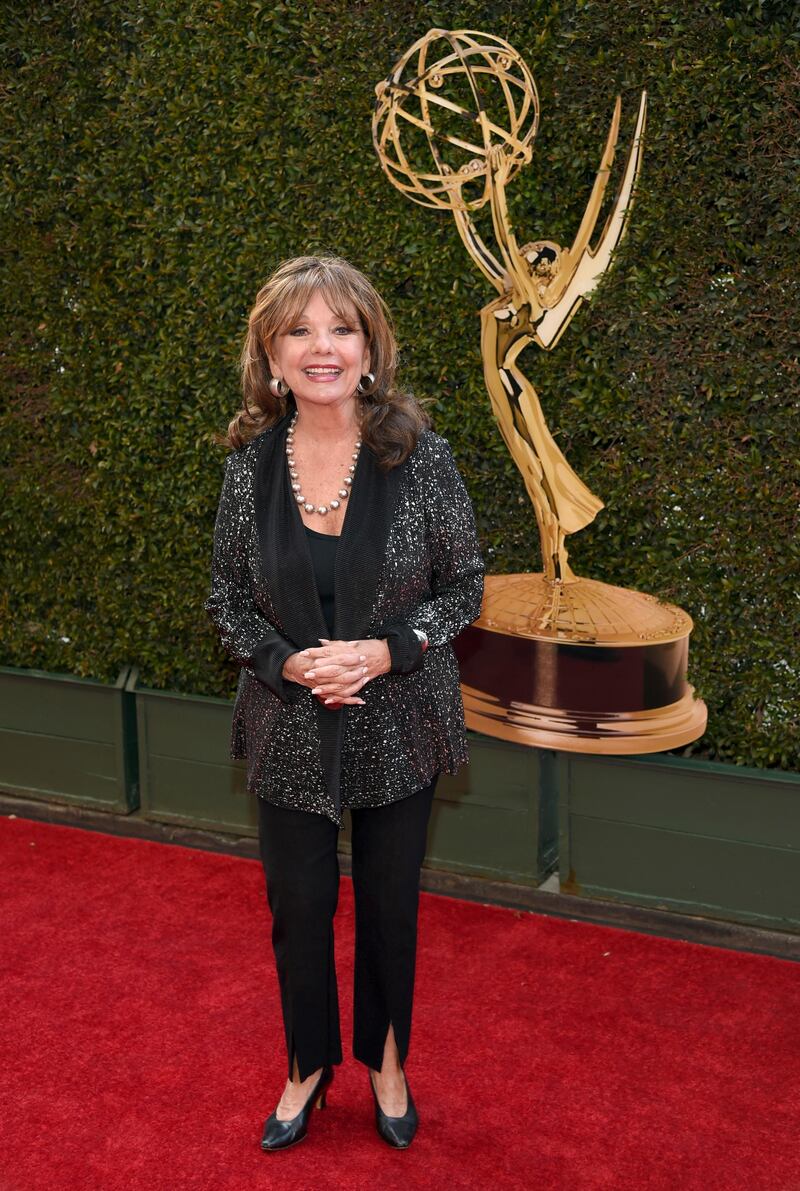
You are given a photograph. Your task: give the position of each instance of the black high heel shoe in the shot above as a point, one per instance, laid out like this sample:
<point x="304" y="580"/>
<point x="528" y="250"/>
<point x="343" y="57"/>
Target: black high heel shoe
<point x="397" y="1131"/>
<point x="280" y="1134"/>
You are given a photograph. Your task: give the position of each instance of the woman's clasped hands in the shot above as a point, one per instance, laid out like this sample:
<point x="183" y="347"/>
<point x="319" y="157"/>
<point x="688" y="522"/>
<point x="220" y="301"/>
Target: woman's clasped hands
<point x="335" y="671"/>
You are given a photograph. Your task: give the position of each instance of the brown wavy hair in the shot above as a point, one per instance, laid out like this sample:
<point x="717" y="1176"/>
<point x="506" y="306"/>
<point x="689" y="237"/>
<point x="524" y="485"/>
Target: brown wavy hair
<point x="391" y="421"/>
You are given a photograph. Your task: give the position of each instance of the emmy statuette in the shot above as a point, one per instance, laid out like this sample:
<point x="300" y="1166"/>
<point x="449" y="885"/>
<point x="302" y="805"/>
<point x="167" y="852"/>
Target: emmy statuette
<point x="555" y="660"/>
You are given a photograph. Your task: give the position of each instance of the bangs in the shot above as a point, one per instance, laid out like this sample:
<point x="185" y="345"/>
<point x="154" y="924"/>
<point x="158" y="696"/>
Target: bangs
<point x="297" y="293"/>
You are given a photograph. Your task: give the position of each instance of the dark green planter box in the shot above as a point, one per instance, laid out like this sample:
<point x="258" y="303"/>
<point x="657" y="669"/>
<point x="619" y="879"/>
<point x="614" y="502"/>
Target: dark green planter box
<point x="185" y="775"/>
<point x="497" y="817"/>
<point x="721" y="841"/>
<point x="67" y="739"/>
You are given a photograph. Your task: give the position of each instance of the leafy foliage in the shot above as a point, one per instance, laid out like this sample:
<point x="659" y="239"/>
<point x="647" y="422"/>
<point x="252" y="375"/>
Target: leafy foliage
<point x="161" y="158"/>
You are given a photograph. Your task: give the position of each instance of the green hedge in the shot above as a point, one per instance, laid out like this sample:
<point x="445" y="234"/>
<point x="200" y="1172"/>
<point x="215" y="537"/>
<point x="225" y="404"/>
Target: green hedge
<point x="161" y="158"/>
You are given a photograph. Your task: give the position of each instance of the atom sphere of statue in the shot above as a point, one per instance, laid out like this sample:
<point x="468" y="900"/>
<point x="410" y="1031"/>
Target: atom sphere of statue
<point x="476" y="96"/>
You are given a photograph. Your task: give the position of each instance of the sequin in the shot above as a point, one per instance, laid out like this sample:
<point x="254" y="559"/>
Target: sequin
<point x="412" y="725"/>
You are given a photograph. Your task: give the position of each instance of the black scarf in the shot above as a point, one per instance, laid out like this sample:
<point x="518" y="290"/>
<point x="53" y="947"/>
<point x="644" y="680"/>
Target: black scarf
<point x="289" y="572"/>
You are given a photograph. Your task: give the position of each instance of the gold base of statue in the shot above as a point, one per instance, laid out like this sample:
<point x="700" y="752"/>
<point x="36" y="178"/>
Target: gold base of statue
<point x="581" y="666"/>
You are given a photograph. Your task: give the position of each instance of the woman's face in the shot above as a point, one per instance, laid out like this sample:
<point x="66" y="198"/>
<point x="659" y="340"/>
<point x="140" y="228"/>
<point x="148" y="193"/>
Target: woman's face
<point x="321" y="356"/>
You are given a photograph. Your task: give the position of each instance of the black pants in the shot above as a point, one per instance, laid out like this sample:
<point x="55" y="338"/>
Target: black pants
<point x="301" y="866"/>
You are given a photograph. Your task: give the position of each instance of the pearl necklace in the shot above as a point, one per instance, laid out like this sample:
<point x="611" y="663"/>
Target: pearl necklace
<point x="344" y="491"/>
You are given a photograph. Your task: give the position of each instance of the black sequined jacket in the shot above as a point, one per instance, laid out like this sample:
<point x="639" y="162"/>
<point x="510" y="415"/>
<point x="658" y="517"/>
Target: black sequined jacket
<point x="408" y="557"/>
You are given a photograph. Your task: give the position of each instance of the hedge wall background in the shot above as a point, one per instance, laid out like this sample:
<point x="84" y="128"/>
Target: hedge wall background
<point x="162" y="157"/>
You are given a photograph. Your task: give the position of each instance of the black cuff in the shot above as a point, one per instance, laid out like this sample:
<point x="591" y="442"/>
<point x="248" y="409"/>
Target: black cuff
<point x="267" y="664"/>
<point x="405" y="648"/>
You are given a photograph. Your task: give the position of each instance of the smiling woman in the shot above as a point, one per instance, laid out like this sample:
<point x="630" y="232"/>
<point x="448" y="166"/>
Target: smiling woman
<point x="344" y="546"/>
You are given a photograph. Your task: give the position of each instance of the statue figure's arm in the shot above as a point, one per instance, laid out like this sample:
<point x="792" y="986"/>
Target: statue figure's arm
<point x="488" y="264"/>
<point x="513" y="279"/>
<point x="515" y="263"/>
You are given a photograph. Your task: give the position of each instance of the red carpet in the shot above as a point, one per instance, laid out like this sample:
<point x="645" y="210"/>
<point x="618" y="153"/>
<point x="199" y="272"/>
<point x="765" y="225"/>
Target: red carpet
<point x="143" y="1047"/>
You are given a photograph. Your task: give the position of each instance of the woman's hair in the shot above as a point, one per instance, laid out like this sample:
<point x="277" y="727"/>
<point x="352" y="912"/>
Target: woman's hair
<point x="391" y="421"/>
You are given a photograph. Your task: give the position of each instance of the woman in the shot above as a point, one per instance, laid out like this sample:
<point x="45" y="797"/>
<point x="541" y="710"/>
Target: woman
<point x="345" y="561"/>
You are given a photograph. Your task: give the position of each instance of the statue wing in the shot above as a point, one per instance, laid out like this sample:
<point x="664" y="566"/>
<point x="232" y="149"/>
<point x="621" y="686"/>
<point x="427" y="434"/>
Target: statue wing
<point x="582" y="266"/>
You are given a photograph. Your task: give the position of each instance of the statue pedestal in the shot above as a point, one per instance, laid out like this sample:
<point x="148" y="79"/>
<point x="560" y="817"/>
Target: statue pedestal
<point x="582" y="667"/>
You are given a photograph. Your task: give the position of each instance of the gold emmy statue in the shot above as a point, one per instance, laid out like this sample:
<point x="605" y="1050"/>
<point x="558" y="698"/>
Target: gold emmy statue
<point x="555" y="660"/>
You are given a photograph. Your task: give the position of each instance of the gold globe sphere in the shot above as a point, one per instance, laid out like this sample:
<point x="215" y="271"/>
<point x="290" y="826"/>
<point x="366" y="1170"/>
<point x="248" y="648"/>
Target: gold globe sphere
<point x="435" y="122"/>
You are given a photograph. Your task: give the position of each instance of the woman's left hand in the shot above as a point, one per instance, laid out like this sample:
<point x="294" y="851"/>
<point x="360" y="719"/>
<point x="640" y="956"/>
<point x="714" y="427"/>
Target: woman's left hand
<point x="342" y="668"/>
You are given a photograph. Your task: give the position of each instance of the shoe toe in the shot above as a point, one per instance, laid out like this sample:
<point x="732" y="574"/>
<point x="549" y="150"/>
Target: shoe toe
<point x="398" y="1133"/>
<point x="279" y="1134"/>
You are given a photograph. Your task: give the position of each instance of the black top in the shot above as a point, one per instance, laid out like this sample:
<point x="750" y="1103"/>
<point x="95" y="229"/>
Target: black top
<point x="323" y="559"/>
